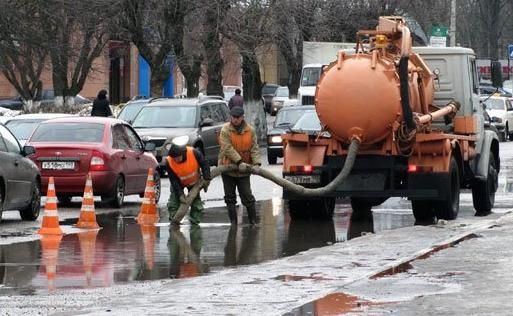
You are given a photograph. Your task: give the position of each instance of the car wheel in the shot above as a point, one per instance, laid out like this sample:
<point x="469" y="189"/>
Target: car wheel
<point x="31" y="211"/>
<point x="271" y="158"/>
<point x="116" y="198"/>
<point x="64" y="199"/>
<point x="1" y="203"/>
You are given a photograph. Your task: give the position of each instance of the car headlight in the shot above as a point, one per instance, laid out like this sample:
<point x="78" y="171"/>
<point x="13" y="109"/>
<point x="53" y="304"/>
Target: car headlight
<point x="180" y="140"/>
<point x="276" y="139"/>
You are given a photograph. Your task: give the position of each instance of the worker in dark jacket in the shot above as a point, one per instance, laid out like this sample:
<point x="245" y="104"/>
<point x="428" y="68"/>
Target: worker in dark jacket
<point x="101" y="106"/>
<point x="183" y="165"/>
<point x="236" y="100"/>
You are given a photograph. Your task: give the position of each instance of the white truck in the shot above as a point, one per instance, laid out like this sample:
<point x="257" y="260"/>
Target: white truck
<point x="316" y="55"/>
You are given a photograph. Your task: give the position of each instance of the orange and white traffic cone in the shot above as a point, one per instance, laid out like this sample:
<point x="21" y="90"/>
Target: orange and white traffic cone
<point x="50" y="249"/>
<point x="87" y="213"/>
<point x="87" y="249"/>
<point x="148" y="212"/>
<point x="50" y="225"/>
<point x="148" y="233"/>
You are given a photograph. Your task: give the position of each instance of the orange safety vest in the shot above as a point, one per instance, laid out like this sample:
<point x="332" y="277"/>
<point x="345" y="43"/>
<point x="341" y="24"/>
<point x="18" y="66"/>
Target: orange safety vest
<point x="188" y="170"/>
<point x="242" y="143"/>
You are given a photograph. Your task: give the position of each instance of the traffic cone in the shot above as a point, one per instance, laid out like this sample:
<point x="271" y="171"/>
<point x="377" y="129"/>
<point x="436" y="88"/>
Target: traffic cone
<point x="87" y="213"/>
<point x="50" y="225"/>
<point x="148" y="212"/>
<point x="87" y="250"/>
<point x="50" y="248"/>
<point x="148" y="232"/>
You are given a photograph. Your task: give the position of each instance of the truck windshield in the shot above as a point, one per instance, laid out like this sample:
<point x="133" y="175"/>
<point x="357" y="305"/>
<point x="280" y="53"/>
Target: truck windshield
<point x="310" y="76"/>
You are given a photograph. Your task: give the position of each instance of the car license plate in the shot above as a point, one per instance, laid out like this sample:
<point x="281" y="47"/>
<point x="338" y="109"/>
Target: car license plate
<point x="58" y="165"/>
<point x="304" y="179"/>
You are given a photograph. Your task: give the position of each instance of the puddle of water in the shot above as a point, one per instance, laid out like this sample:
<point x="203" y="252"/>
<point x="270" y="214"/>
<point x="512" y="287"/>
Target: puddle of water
<point x="123" y="251"/>
<point x="332" y="304"/>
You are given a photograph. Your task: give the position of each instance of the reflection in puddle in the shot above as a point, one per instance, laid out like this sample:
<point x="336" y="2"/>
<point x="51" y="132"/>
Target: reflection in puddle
<point x="123" y="251"/>
<point x="333" y="304"/>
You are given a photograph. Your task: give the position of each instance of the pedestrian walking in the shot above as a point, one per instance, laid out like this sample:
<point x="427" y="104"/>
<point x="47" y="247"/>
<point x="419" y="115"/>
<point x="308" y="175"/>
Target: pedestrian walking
<point x="236" y="100"/>
<point x="184" y="164"/>
<point x="101" y="106"/>
<point x="239" y="146"/>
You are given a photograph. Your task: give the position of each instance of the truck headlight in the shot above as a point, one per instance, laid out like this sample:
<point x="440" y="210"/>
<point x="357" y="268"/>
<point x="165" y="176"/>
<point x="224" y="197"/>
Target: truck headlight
<point x="276" y="139"/>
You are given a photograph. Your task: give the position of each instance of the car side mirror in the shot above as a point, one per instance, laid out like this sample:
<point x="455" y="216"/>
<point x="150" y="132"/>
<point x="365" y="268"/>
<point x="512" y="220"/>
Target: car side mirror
<point x="28" y="150"/>
<point x="207" y="122"/>
<point x="149" y="146"/>
<point x="496" y="75"/>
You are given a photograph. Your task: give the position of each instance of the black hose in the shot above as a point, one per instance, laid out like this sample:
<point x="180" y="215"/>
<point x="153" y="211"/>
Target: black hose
<point x="405" y="93"/>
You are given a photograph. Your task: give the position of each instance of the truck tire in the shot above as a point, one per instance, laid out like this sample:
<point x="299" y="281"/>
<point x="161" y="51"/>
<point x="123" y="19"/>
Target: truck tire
<point x="362" y="209"/>
<point x="318" y="209"/>
<point x="424" y="212"/>
<point x="449" y="208"/>
<point x="272" y="158"/>
<point x="483" y="192"/>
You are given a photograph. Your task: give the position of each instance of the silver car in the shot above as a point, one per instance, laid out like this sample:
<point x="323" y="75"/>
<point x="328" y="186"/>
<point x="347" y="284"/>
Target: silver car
<point x="20" y="180"/>
<point x="199" y="120"/>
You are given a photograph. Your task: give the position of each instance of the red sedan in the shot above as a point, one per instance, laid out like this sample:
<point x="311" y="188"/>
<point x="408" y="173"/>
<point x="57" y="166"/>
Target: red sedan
<point x="69" y="148"/>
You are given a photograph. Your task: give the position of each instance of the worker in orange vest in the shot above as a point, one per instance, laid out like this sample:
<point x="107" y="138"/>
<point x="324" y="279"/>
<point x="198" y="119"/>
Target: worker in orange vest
<point x="239" y="146"/>
<point x="183" y="165"/>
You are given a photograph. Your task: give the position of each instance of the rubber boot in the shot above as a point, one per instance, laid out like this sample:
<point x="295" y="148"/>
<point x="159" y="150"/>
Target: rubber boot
<point x="252" y="215"/>
<point x="232" y="213"/>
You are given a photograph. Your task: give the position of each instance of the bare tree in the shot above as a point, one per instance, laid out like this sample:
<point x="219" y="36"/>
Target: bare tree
<point x="215" y="11"/>
<point x="248" y="26"/>
<point x="22" y="58"/>
<point x="186" y="44"/>
<point x="74" y="40"/>
<point x="150" y="26"/>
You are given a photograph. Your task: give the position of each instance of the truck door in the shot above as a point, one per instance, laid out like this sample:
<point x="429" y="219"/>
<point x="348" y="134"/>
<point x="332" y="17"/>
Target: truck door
<point x="477" y="107"/>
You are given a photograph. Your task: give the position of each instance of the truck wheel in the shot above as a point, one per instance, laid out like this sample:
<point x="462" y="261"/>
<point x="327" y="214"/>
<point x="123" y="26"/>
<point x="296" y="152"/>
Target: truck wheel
<point x="299" y="209"/>
<point x="362" y="209"/>
<point x="271" y="158"/>
<point x="323" y="209"/>
<point x="423" y="212"/>
<point x="448" y="209"/>
<point x="319" y="209"/>
<point x="483" y="192"/>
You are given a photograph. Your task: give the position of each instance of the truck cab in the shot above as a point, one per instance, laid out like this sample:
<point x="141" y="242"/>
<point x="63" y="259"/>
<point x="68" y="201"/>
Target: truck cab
<point x="309" y="77"/>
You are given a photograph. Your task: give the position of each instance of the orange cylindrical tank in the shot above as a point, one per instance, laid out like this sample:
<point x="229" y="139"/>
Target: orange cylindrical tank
<point x="359" y="95"/>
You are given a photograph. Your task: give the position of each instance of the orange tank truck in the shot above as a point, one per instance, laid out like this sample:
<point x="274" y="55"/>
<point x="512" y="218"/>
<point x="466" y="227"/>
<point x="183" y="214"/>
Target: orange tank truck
<point x="416" y="115"/>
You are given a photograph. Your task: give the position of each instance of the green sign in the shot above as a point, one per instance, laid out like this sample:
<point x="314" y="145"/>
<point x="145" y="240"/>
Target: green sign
<point x="441" y="31"/>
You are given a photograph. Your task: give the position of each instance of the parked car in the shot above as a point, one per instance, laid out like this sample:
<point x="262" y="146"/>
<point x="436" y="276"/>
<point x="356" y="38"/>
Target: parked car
<point x="70" y="148"/>
<point x="23" y="125"/>
<point x="267" y="96"/>
<point x="19" y="178"/>
<point x="500" y="110"/>
<point x="488" y="124"/>
<point x="15" y="103"/>
<point x="285" y="119"/>
<point x="131" y="108"/>
<point x="200" y="120"/>
<point x="281" y="95"/>
<point x="488" y="90"/>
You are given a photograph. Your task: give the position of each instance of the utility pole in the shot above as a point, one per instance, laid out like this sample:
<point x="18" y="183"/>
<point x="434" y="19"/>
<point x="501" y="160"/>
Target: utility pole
<point x="452" y="27"/>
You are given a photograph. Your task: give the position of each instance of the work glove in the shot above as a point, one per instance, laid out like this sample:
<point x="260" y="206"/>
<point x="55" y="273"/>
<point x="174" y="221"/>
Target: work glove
<point x="182" y="199"/>
<point x="256" y="167"/>
<point x="206" y="183"/>
<point x="244" y="167"/>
